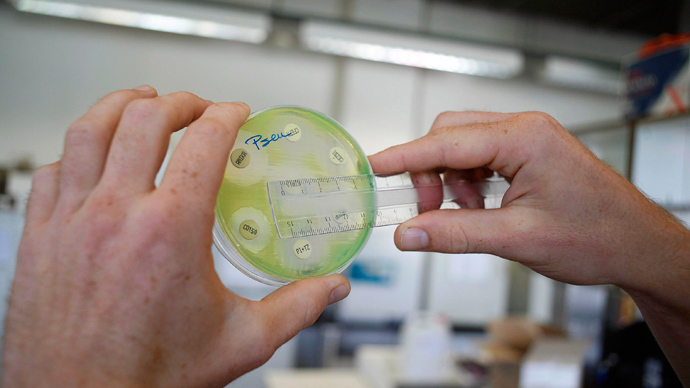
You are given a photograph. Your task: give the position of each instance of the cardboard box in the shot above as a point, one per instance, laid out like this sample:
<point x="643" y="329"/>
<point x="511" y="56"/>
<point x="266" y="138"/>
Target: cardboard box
<point x="554" y="363"/>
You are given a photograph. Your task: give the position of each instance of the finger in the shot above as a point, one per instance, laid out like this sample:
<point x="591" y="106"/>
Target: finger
<point x="196" y="167"/>
<point x="470" y="146"/>
<point x="471" y="175"/>
<point x="444" y="120"/>
<point x="429" y="190"/>
<point x="461" y="231"/>
<point x="456" y="119"/>
<point x="459" y="183"/>
<point x="45" y="189"/>
<point x="88" y="139"/>
<point x="296" y="306"/>
<point x="143" y="135"/>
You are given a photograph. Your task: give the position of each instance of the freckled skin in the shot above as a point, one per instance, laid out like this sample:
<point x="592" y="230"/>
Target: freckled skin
<point x="115" y="284"/>
<point x="567" y="215"/>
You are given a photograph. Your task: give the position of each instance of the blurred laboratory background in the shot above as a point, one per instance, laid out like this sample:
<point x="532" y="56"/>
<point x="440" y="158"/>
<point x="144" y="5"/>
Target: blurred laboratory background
<point x="385" y="69"/>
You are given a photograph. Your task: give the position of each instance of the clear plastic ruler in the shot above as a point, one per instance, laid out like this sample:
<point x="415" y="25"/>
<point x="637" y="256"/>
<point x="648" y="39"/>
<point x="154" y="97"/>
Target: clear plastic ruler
<point x="313" y="206"/>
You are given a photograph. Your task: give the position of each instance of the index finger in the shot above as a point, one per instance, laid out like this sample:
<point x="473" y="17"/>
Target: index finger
<point x="196" y="167"/>
<point x="481" y="144"/>
<point x="456" y="119"/>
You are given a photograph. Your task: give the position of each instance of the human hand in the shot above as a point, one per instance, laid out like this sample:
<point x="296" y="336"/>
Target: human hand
<point x="115" y="283"/>
<point x="566" y="215"/>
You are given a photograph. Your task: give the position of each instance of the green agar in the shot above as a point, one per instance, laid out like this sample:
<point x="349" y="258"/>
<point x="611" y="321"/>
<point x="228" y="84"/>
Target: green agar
<point x="277" y="144"/>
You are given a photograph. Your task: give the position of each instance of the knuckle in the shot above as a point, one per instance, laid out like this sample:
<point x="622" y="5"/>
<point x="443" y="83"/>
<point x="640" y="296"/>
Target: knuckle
<point x="209" y="127"/>
<point x="181" y="98"/>
<point x="228" y="112"/>
<point x="538" y="120"/>
<point x="160" y="216"/>
<point x="543" y="129"/>
<point x="80" y="132"/>
<point x="184" y="95"/>
<point x="147" y="109"/>
<point x="121" y="95"/>
<point x="440" y="131"/>
<point x="444" y="118"/>
<point x="458" y="239"/>
<point x="44" y="173"/>
<point x="312" y="309"/>
<point x="116" y="96"/>
<point x="102" y="219"/>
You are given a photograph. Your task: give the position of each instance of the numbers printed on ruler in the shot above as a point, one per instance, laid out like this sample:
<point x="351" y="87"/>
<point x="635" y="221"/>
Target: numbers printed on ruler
<point x="323" y="185"/>
<point x="340" y="217"/>
<point x="345" y="222"/>
<point x="313" y="206"/>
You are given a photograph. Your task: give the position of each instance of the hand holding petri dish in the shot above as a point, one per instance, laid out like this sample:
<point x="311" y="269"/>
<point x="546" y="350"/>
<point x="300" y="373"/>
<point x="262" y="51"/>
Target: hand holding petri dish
<point x="277" y="144"/>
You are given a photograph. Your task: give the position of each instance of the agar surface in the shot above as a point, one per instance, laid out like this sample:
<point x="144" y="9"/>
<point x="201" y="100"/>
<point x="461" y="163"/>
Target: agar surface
<point x="275" y="144"/>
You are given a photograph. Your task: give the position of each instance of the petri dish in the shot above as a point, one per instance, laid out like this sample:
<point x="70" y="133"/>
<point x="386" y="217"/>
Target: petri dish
<point x="284" y="142"/>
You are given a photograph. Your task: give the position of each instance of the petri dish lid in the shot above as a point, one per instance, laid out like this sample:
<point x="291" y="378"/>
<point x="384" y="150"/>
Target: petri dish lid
<point x="285" y="142"/>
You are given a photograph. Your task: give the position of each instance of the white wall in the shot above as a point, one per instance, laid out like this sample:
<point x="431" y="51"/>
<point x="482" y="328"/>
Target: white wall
<point x="610" y="145"/>
<point x="445" y="91"/>
<point x="379" y="104"/>
<point x="661" y="161"/>
<point x="54" y="69"/>
<point x="471" y="289"/>
<point x="376" y="302"/>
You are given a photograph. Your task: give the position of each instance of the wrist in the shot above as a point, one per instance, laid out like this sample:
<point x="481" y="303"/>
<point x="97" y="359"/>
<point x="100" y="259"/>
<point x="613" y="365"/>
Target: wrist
<point x="34" y="373"/>
<point x="29" y="364"/>
<point x="658" y="271"/>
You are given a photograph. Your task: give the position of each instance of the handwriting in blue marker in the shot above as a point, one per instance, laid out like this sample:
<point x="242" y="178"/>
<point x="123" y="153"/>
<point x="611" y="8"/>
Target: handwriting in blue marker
<point x="256" y="139"/>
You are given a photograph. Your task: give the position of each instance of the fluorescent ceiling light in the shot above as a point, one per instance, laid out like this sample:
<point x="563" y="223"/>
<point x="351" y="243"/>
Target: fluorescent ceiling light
<point x="410" y="50"/>
<point x="581" y="74"/>
<point x="179" y="18"/>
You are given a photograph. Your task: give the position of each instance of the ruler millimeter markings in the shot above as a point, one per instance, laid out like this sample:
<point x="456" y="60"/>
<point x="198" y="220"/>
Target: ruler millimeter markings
<point x="314" y="206"/>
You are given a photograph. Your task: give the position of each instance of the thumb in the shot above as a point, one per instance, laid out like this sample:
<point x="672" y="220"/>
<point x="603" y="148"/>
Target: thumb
<point x="297" y="305"/>
<point x="458" y="231"/>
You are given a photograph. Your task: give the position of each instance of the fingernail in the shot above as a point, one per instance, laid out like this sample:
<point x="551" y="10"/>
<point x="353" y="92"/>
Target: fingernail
<point x="339" y="293"/>
<point x="144" y="88"/>
<point x="414" y="239"/>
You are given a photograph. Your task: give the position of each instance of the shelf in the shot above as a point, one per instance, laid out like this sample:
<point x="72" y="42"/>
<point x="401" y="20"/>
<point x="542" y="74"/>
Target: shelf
<point x="613" y="124"/>
<point x="676" y="207"/>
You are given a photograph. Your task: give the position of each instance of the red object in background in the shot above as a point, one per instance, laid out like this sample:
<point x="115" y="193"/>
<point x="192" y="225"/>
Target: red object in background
<point x="662" y="43"/>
